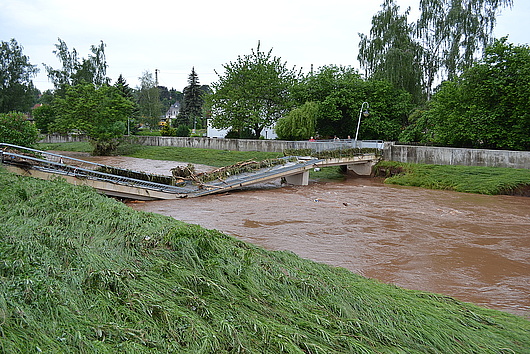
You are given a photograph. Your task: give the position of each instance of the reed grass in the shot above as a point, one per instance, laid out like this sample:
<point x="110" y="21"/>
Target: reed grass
<point x="82" y="273"/>
<point x="468" y="179"/>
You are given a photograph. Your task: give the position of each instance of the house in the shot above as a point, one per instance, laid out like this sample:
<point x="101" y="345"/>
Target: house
<point x="172" y="113"/>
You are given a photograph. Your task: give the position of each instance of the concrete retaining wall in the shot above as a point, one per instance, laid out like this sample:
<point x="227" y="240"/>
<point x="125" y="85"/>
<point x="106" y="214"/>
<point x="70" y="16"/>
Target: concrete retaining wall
<point x="400" y="153"/>
<point x="56" y="138"/>
<point x="242" y="144"/>
<point x="456" y="156"/>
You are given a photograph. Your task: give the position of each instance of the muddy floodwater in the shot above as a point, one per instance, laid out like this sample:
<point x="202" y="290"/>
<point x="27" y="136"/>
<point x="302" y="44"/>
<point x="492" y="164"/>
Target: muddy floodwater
<point x="475" y="248"/>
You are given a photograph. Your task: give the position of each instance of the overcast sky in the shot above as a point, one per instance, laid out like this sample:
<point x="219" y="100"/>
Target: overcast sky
<point x="174" y="36"/>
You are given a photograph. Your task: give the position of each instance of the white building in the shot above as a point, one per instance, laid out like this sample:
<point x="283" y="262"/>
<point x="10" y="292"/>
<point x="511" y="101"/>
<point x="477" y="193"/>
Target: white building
<point x="172" y="113"/>
<point x="211" y="132"/>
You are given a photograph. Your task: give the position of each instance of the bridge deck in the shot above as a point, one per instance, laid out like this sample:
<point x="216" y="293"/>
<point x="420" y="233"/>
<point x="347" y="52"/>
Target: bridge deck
<point x="45" y="165"/>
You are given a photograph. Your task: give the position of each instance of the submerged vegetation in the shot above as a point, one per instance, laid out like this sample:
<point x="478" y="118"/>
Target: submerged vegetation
<point x="84" y="273"/>
<point x="469" y="179"/>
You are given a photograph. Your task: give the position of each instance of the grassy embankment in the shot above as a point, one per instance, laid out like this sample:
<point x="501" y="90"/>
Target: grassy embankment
<point x="82" y="273"/>
<point x="469" y="179"/>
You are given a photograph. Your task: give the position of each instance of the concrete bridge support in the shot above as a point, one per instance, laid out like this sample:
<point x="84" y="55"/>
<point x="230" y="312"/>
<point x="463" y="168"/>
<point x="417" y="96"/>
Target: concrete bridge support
<point x="300" y="179"/>
<point x="362" y="168"/>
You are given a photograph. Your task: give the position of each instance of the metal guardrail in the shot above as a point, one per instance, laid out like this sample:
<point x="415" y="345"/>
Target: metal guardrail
<point x="24" y="157"/>
<point x="249" y="178"/>
<point x="79" y="168"/>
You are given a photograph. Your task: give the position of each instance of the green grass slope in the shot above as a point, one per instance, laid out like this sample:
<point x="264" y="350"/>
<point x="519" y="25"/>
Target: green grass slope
<point x="82" y="273"/>
<point x="468" y="179"/>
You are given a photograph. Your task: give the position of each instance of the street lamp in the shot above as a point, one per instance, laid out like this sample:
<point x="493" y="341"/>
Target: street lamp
<point x="361" y="113"/>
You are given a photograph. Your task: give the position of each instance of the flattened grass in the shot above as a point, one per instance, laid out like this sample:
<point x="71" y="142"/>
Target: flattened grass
<point x="468" y="179"/>
<point x="210" y="157"/>
<point x="83" y="273"/>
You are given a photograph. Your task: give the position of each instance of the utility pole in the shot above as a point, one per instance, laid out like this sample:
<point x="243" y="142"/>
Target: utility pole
<point x="156" y="76"/>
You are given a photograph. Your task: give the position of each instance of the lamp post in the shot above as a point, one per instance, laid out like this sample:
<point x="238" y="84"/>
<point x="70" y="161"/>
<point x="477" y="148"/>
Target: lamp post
<point x="361" y="113"/>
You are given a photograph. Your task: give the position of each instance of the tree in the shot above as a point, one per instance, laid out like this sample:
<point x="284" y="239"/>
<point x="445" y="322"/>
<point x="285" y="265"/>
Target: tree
<point x="16" y="129"/>
<point x="128" y="93"/>
<point x="300" y="123"/>
<point x="44" y="116"/>
<point x="191" y="109"/>
<point x="123" y="87"/>
<point x="77" y="70"/>
<point x="391" y="53"/>
<point x="488" y="105"/>
<point x="340" y="92"/>
<point x="165" y="97"/>
<point x="253" y="93"/>
<point x="99" y="112"/>
<point x="148" y="98"/>
<point x="17" y="92"/>
<point x="445" y="40"/>
<point x="453" y="33"/>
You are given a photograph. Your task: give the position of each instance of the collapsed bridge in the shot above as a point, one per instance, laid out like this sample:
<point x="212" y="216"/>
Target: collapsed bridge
<point x="138" y="185"/>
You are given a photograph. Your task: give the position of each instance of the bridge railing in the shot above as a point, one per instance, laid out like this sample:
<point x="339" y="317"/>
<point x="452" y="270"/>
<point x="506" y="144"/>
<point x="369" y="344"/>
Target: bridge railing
<point x="343" y="144"/>
<point x="50" y="162"/>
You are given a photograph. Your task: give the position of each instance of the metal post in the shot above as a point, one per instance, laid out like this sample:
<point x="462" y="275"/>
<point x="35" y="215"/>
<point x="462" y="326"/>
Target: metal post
<point x="359" y="121"/>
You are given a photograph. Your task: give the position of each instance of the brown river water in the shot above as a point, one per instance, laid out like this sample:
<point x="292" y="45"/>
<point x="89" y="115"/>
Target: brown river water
<point x="475" y="248"/>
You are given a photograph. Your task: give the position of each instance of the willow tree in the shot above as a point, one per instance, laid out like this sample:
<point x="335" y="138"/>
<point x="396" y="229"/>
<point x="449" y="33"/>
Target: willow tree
<point x="448" y="36"/>
<point x="390" y="52"/>
<point x="300" y="123"/>
<point x="253" y="93"/>
<point x="454" y="34"/>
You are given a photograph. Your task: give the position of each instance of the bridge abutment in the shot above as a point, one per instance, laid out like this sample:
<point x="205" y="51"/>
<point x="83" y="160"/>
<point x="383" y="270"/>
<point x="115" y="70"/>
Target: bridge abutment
<point x="362" y="169"/>
<point x="300" y="179"/>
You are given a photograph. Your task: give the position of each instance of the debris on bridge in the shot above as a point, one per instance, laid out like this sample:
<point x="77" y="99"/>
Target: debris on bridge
<point x="183" y="183"/>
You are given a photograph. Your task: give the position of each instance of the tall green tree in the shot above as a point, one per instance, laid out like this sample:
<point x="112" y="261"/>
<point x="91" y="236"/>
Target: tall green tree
<point x="148" y="98"/>
<point x="487" y="106"/>
<point x="17" y="92"/>
<point x="448" y="36"/>
<point x="44" y="116"/>
<point x="16" y="129"/>
<point x="128" y="93"/>
<point x="99" y="112"/>
<point x="253" y="92"/>
<point x="165" y="97"/>
<point x="454" y="33"/>
<point x="391" y="53"/>
<point x="76" y="70"/>
<point x="340" y="92"/>
<point x="124" y="88"/>
<point x="191" y="109"/>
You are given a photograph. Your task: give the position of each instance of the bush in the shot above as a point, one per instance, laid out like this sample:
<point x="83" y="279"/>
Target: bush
<point x="16" y="129"/>
<point x="183" y="131"/>
<point x="240" y="134"/>
<point x="166" y="130"/>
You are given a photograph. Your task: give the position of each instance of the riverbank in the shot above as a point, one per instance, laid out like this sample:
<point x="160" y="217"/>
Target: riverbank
<point x="97" y="276"/>
<point x="468" y="179"/>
